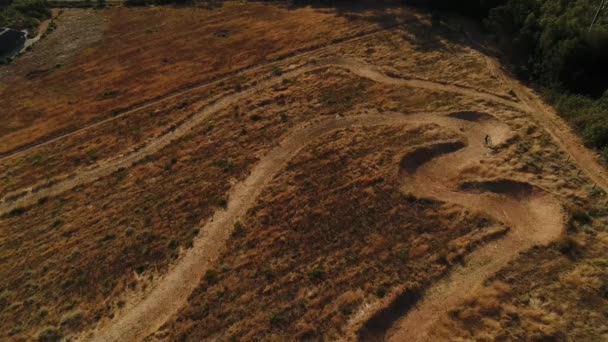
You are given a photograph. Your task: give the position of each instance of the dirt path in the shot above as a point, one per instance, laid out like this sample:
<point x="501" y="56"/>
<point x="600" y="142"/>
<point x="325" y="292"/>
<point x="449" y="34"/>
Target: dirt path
<point x="23" y="198"/>
<point x="173" y="289"/>
<point x="533" y="216"/>
<point x="49" y="139"/>
<point x="585" y="158"/>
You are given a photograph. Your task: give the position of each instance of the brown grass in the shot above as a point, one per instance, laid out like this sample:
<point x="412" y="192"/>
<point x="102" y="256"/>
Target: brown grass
<point x="318" y="244"/>
<point x="154" y="210"/>
<point x="557" y="293"/>
<point x="62" y="158"/>
<point x="147" y="53"/>
<point x="155" y="207"/>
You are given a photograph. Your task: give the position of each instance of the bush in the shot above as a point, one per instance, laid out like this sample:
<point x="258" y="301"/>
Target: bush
<point x="72" y="319"/>
<point x="586" y="116"/>
<point x="17" y="212"/>
<point x="211" y="277"/>
<point x="568" y="246"/>
<point x="316" y="275"/>
<point x="24" y="14"/>
<point x="239" y="231"/>
<point x="49" y="334"/>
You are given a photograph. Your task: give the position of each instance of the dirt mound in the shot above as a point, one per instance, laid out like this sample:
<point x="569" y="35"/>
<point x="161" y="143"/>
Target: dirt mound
<point x="501" y="186"/>
<point x="418" y="157"/>
<point x="471" y="116"/>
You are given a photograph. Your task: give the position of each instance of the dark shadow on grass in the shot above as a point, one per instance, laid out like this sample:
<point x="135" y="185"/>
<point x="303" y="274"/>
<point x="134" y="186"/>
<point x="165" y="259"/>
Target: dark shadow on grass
<point x="423" y="31"/>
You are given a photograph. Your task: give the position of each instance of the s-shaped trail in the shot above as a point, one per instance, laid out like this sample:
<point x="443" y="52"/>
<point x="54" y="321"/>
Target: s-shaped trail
<point x="534" y="217"/>
<point x="172" y="290"/>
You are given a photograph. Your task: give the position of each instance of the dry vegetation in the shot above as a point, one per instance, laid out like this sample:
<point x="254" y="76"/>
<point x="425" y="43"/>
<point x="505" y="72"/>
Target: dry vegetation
<point x="157" y="205"/>
<point x="333" y="232"/>
<point x="63" y="157"/>
<point x="155" y="209"/>
<point x="429" y="49"/>
<point x="553" y="293"/>
<point x="558" y="293"/>
<point x="147" y="53"/>
<point x="319" y="244"/>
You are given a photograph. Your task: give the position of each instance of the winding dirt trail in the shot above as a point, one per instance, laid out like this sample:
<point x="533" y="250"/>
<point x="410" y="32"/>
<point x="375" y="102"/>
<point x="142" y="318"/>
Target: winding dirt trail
<point x="173" y="289"/>
<point x="535" y="218"/>
<point x="27" y="197"/>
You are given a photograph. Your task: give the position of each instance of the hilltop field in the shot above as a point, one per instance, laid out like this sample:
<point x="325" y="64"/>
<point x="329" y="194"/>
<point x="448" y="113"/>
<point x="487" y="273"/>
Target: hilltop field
<point x="250" y="171"/>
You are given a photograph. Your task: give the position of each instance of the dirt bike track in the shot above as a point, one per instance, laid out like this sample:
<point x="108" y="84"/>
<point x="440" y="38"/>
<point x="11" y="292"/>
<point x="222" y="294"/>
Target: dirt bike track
<point x="173" y="289"/>
<point x="527" y="215"/>
<point x="24" y="198"/>
<point x="534" y="218"/>
<point x="533" y="215"/>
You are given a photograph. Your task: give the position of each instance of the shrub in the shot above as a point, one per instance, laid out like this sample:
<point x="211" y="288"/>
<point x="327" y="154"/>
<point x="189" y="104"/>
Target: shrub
<point x="579" y="214"/>
<point x="141" y="268"/>
<point x="49" y="334"/>
<point x="277" y="71"/>
<point x="238" y="231"/>
<point x="316" y="275"/>
<point x="211" y="277"/>
<point x="284" y="117"/>
<point x="568" y="246"/>
<point x="255" y="117"/>
<point x="72" y="319"/>
<point x="577" y="217"/>
<point x="278" y="319"/>
<point x="381" y="291"/>
<point x="24" y="14"/>
<point x="17" y="212"/>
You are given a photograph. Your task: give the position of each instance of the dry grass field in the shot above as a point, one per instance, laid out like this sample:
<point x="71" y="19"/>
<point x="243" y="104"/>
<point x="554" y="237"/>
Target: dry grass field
<point x="319" y="244"/>
<point x="270" y="172"/>
<point x="141" y="54"/>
